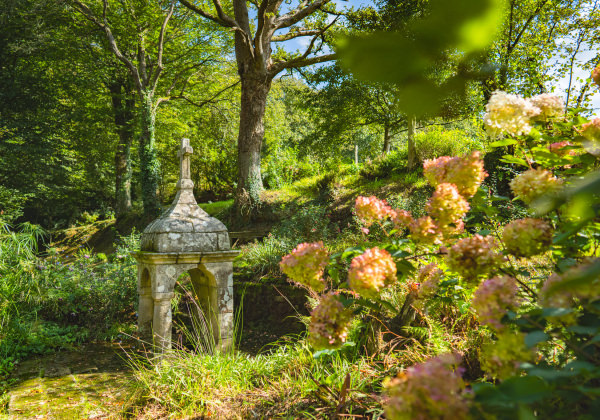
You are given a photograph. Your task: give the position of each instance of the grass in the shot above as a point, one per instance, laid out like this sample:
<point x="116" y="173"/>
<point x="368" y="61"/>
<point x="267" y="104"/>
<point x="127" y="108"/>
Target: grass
<point x="286" y="381"/>
<point x="216" y="207"/>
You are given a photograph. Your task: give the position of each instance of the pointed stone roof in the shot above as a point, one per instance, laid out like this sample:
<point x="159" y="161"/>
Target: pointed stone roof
<point x="185" y="227"/>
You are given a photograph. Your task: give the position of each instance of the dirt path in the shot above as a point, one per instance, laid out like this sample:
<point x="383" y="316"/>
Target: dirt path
<point x="92" y="383"/>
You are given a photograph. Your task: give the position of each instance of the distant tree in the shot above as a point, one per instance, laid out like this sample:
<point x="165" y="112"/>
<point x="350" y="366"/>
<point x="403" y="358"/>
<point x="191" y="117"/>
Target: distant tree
<point x="257" y="28"/>
<point x="139" y="34"/>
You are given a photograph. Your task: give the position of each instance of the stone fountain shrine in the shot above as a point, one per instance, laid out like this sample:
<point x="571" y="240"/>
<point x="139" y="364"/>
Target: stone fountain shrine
<point x="185" y="239"/>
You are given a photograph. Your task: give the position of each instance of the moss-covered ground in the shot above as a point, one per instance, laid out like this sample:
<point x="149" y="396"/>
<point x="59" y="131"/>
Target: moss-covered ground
<point x="90" y="383"/>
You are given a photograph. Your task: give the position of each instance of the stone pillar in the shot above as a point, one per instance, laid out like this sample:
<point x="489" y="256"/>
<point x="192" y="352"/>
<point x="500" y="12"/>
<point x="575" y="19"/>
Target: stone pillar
<point x="223" y="274"/>
<point x="145" y="313"/>
<point x="161" y="326"/>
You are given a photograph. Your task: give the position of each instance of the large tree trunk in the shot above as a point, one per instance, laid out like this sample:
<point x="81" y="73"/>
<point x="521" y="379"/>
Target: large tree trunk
<point x="149" y="167"/>
<point x="253" y="102"/>
<point x="413" y="159"/>
<point x="123" y="103"/>
<point x="387" y="143"/>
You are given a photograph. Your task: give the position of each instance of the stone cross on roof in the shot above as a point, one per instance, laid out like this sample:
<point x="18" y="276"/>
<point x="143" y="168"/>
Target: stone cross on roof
<point x="184" y="153"/>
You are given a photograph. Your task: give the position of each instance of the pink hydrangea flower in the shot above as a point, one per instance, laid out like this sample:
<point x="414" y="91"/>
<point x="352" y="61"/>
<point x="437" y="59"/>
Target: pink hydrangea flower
<point x="428" y="277"/>
<point x="596" y="75"/>
<point x="425" y="231"/>
<point x="534" y="183"/>
<point x="591" y="132"/>
<point x="558" y="148"/>
<point x="430" y="390"/>
<point x="371" y="271"/>
<point x="446" y="206"/>
<point x="371" y="209"/>
<point x="474" y="256"/>
<point x="435" y="169"/>
<point x="527" y="237"/>
<point x="305" y="265"/>
<point x="329" y="323"/>
<point x="550" y="105"/>
<point x="502" y="357"/>
<point x="563" y="297"/>
<point x="466" y="172"/>
<point x="493" y="298"/>
<point x="402" y="219"/>
<point x="511" y="114"/>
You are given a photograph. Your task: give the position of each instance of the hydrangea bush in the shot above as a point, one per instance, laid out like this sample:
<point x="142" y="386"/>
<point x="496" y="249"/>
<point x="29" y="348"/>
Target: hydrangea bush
<point x="542" y="357"/>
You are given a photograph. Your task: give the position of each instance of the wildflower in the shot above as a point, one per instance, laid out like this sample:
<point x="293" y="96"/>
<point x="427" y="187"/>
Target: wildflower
<point x="550" y="105"/>
<point x="493" y="298"/>
<point x="474" y="256"/>
<point x="591" y="132"/>
<point x="446" y="205"/>
<point x="466" y="172"/>
<point x="425" y="231"/>
<point x="428" y="277"/>
<point x="506" y="113"/>
<point x="371" y="209"/>
<point x="534" y="183"/>
<point x="329" y="323"/>
<point x="305" y="265"/>
<point x="527" y="237"/>
<point x="501" y="358"/>
<point x="371" y="271"/>
<point x="430" y="390"/>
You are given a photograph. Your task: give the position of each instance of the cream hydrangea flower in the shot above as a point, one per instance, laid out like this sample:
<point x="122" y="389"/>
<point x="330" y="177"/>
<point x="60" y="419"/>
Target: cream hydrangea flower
<point x="534" y="183"/>
<point x="508" y="113"/>
<point x="527" y="237"/>
<point x="550" y="105"/>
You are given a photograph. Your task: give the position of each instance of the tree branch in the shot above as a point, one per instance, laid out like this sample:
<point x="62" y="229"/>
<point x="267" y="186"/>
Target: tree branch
<point x="295" y="34"/>
<point x="300" y="62"/>
<point x="221" y="18"/>
<point x="87" y="13"/>
<point x="304" y="9"/>
<point x="161" y="44"/>
<point x="206" y="101"/>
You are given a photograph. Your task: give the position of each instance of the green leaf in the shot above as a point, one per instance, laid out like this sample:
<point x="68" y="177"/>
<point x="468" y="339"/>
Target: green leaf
<point x="535" y="337"/>
<point x="504" y="142"/>
<point x="514" y="160"/>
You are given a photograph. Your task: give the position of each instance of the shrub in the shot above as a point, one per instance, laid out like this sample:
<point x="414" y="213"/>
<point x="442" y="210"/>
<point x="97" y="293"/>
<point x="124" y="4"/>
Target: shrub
<point x="433" y="142"/>
<point x="538" y="334"/>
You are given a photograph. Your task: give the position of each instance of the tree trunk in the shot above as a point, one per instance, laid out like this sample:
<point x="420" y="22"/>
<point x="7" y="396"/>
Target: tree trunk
<point x="123" y="103"/>
<point x="413" y="159"/>
<point x="253" y="102"/>
<point x="149" y="167"/>
<point x="387" y="144"/>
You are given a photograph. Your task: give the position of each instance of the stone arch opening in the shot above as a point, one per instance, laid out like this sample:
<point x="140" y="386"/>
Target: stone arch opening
<point x="145" y="281"/>
<point x="145" y="305"/>
<point x="206" y="311"/>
